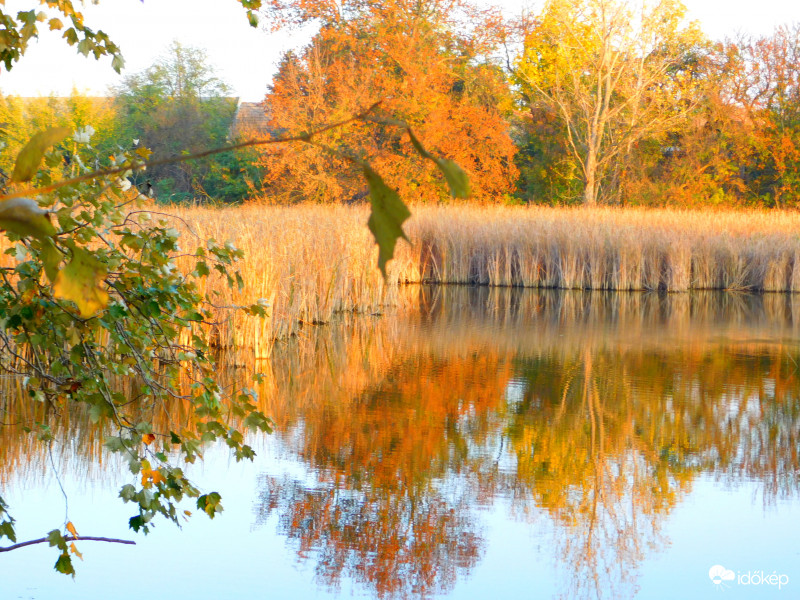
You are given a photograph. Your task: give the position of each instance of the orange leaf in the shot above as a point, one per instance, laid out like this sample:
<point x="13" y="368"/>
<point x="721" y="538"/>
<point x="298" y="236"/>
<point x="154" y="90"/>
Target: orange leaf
<point x="71" y="529"/>
<point x="148" y="438"/>
<point x="74" y="549"/>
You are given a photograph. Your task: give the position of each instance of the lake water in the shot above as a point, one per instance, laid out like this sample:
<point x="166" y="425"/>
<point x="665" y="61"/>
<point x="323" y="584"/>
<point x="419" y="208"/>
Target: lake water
<point x="475" y="443"/>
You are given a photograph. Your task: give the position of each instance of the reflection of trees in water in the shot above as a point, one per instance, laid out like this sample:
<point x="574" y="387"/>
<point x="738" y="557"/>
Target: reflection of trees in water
<point x="396" y="544"/>
<point x="582" y="456"/>
<point x="608" y="441"/>
<point x="596" y="412"/>
<point x="604" y="437"/>
<point x="390" y="507"/>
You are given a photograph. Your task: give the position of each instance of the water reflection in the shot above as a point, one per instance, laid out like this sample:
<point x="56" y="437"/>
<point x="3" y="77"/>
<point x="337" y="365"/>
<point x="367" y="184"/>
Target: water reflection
<point x="587" y="417"/>
<point x="596" y="410"/>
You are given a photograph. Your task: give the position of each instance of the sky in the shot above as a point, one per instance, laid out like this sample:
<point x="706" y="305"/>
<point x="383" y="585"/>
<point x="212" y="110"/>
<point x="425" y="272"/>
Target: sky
<point x="244" y="57"/>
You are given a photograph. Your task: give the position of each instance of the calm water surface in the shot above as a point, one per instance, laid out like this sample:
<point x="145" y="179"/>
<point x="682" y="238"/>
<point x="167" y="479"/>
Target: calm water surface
<point x="479" y="444"/>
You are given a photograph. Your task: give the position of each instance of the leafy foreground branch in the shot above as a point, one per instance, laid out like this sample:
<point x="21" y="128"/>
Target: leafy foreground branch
<point x="96" y="316"/>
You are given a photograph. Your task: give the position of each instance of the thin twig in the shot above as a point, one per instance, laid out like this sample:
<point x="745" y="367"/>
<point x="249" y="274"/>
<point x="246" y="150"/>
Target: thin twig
<point x="69" y="538"/>
<point x="58" y="480"/>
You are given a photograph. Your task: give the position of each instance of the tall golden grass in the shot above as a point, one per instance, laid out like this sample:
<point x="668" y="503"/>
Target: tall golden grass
<point x="312" y="261"/>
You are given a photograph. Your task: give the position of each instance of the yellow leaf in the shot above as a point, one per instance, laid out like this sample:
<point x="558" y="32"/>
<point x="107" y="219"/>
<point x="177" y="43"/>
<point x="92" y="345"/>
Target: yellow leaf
<point x="71" y="529"/>
<point x="31" y="155"/>
<point x="25" y="217"/>
<point x="74" y="549"/>
<point x="148" y="438"/>
<point x="157" y="477"/>
<point x="80" y="282"/>
<point x="146" y="475"/>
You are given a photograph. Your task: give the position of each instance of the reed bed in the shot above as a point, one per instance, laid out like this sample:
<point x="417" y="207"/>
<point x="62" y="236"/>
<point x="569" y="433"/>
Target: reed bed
<point x="310" y="262"/>
<point x="604" y="248"/>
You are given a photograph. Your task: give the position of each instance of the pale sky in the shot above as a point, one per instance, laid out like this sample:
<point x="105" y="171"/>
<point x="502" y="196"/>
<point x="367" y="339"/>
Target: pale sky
<point x="246" y="58"/>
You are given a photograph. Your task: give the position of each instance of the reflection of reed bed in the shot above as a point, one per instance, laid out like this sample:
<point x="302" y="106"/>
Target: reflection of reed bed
<point x="331" y="369"/>
<point x="453" y="322"/>
<point x="24" y="455"/>
<point x="339" y="361"/>
<point x="706" y="380"/>
<point x="78" y="438"/>
<point x="535" y="321"/>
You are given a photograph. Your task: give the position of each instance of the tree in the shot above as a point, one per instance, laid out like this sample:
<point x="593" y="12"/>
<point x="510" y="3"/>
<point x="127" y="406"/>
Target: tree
<point x="21" y="118"/>
<point x="740" y="144"/>
<point x="762" y="84"/>
<point x="177" y="105"/>
<point x="18" y="31"/>
<point x="614" y="75"/>
<point x="426" y="61"/>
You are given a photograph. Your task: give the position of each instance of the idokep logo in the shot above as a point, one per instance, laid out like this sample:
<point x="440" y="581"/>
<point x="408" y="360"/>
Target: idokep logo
<point x="722" y="577"/>
<point x="719" y="575"/>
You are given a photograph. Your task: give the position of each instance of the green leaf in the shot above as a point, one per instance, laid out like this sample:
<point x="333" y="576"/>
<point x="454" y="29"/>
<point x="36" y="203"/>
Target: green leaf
<point x="30" y="157"/>
<point x="253" y="18"/>
<point x="387" y="217"/>
<point x="71" y="36"/>
<point x="127" y="493"/>
<point x="456" y="177"/>
<point x="25" y="217"/>
<point x="80" y="282"/>
<point x="136" y="523"/>
<point x="117" y="63"/>
<point x="210" y="504"/>
<point x="51" y="257"/>
<point x="56" y="539"/>
<point x="7" y="530"/>
<point x="64" y="564"/>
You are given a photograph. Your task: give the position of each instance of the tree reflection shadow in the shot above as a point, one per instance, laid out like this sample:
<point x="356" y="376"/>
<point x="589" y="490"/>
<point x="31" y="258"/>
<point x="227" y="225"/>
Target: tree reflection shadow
<point x="602" y="435"/>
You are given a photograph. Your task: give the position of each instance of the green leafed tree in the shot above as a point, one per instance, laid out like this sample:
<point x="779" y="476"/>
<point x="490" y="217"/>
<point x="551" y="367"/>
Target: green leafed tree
<point x="180" y="105"/>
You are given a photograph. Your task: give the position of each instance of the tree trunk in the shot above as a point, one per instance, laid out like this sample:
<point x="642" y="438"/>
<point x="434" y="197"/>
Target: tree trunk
<point x="590" y="189"/>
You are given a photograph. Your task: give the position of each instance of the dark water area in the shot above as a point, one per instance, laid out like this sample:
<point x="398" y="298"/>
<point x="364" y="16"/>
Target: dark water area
<point x="479" y="443"/>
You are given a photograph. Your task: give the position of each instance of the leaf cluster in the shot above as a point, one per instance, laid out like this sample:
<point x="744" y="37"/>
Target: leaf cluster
<point x="62" y="16"/>
<point x="94" y="297"/>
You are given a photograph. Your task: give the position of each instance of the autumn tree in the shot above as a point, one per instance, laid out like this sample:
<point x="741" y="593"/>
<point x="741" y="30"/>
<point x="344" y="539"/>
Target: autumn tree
<point x="21" y="118"/>
<point x="426" y="62"/>
<point x="740" y="144"/>
<point x="614" y="73"/>
<point x="759" y="86"/>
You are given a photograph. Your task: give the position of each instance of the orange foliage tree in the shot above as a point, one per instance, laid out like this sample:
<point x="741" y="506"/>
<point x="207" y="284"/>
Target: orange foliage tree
<point x="741" y="143"/>
<point x="427" y="61"/>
